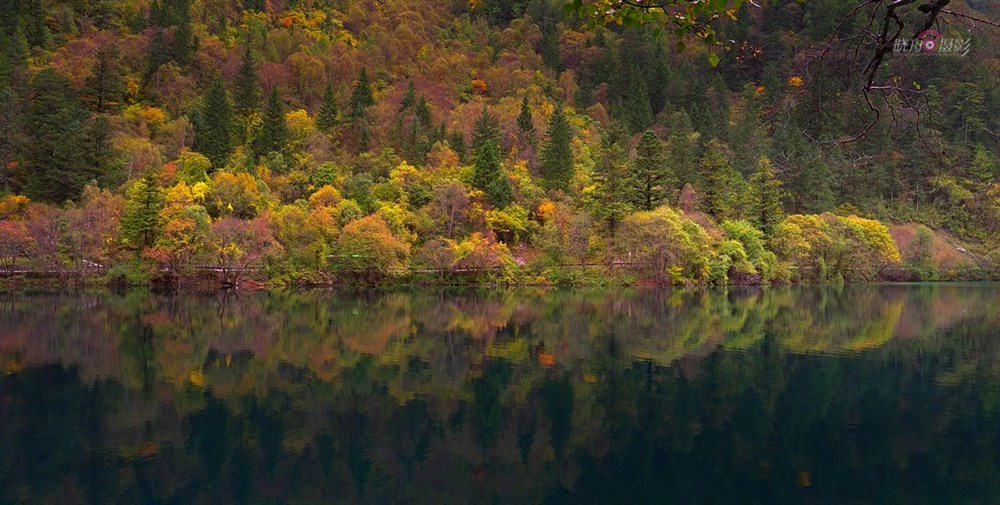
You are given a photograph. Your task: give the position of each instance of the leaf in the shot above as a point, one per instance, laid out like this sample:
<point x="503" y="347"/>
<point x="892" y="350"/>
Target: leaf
<point x="713" y="59"/>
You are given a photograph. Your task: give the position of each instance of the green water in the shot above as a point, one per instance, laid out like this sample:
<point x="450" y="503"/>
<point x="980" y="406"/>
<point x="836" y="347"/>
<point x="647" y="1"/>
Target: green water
<point x="856" y="394"/>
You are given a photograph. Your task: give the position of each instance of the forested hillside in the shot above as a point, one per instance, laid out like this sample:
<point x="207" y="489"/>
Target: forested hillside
<point x="363" y="141"/>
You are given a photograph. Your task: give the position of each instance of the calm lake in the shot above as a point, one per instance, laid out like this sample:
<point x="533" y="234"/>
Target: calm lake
<point x="814" y="395"/>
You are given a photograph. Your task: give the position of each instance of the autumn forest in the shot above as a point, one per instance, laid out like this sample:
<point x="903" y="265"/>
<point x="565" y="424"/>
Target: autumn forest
<point x="315" y="142"/>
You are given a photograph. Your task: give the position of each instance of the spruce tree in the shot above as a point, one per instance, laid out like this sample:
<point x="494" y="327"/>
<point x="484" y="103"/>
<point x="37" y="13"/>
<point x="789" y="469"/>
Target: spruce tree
<point x="159" y="53"/>
<point x="525" y="122"/>
<point x="718" y="178"/>
<point x="556" y="162"/>
<point x="486" y="129"/>
<point x="328" y="116"/>
<point x="650" y="173"/>
<point x="246" y="96"/>
<point x="58" y="161"/>
<point x="214" y="128"/>
<point x="488" y="177"/>
<point x="274" y="130"/>
<point x="767" y="209"/>
<point x="362" y="97"/>
<point x="456" y="141"/>
<point x="105" y="87"/>
<point x="612" y="179"/>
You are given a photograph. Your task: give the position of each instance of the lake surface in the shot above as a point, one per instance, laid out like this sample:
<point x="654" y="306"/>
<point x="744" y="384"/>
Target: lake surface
<point x="855" y="394"/>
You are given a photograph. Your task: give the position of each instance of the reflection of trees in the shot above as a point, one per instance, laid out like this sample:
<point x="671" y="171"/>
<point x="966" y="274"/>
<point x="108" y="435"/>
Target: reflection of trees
<point x="368" y="398"/>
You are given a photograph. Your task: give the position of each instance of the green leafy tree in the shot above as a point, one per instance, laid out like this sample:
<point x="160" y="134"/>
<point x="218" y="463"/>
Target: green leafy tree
<point x="650" y="173"/>
<point x="556" y="162"/>
<point x="141" y="224"/>
<point x="984" y="164"/>
<point x="274" y="130"/>
<point x="59" y="161"/>
<point x="213" y="130"/>
<point x="368" y="252"/>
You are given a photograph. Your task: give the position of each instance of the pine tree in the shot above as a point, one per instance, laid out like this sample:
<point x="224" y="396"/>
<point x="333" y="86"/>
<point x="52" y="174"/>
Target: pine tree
<point x="767" y="209"/>
<point x="214" y="128"/>
<point x="488" y="177"/>
<point x="650" y="173"/>
<point x="58" y="161"/>
<point x="525" y="122"/>
<point x="362" y="97"/>
<point x="105" y="87"/>
<point x="328" y="117"/>
<point x="486" y="129"/>
<point x="556" y="162"/>
<point x="246" y="97"/>
<point x="274" y="130"/>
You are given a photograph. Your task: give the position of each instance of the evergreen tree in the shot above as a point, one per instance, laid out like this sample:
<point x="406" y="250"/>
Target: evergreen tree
<point x="488" y="177"/>
<point x="362" y="97"/>
<point x="766" y="209"/>
<point x="650" y="174"/>
<point x="683" y="147"/>
<point x="184" y="40"/>
<point x="984" y="164"/>
<point x="718" y="180"/>
<point x="456" y="141"/>
<point x="159" y="53"/>
<point x="140" y="224"/>
<point x="274" y="130"/>
<point x="409" y="98"/>
<point x="105" y="87"/>
<point x="486" y="129"/>
<point x="612" y="180"/>
<point x="556" y="162"/>
<point x="246" y="96"/>
<point x="328" y="116"/>
<point x="102" y="154"/>
<point x="10" y="121"/>
<point x="58" y="164"/>
<point x="525" y="122"/>
<point x="214" y="128"/>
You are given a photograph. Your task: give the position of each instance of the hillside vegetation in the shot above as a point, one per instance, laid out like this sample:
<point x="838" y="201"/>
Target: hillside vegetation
<point x="494" y="141"/>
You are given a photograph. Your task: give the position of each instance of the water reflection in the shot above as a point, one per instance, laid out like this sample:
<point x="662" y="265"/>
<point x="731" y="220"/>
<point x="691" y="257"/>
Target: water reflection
<point x="856" y="394"/>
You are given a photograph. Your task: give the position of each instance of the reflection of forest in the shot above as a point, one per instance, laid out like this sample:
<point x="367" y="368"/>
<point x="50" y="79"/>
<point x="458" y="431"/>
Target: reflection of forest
<point x="521" y="396"/>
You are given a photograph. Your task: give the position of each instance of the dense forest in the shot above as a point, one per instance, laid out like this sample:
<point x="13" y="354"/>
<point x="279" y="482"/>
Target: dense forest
<point x="492" y="141"/>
